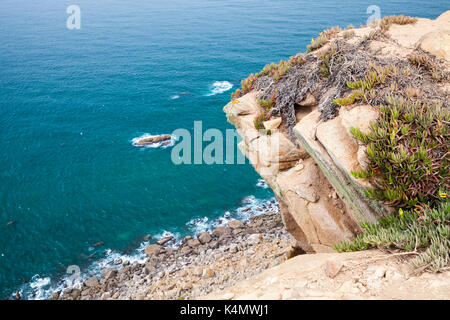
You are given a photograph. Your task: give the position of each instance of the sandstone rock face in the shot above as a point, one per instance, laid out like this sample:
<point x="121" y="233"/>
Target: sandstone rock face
<point x="316" y="220"/>
<point x="321" y="203"/>
<point x="437" y="43"/>
<point x="306" y="194"/>
<point x="336" y="152"/>
<point x="432" y="36"/>
<point x="354" y="275"/>
<point x="221" y="231"/>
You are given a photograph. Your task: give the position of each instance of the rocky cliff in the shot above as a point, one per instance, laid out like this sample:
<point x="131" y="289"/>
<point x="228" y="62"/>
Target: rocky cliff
<point x="295" y="119"/>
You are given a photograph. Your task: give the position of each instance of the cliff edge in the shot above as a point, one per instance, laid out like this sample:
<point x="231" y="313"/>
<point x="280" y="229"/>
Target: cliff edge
<point x="298" y="120"/>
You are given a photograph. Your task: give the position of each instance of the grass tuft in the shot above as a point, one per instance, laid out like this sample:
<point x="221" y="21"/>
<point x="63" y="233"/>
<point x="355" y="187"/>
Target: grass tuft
<point x="427" y="235"/>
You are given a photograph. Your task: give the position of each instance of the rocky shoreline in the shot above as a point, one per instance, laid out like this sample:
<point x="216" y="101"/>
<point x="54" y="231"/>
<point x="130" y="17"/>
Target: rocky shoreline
<point x="208" y="263"/>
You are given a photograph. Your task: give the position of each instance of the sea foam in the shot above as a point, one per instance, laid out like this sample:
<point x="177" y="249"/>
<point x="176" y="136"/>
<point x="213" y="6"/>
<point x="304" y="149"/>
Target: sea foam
<point x="219" y="87"/>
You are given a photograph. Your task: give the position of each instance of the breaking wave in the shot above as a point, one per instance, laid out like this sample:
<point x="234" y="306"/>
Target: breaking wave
<point x="219" y="87"/>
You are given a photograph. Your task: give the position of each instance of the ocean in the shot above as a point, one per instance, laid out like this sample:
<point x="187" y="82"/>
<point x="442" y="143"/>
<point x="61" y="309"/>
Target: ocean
<point x="74" y="101"/>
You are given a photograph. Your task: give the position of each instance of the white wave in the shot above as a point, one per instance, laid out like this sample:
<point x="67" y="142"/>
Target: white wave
<point x="176" y="96"/>
<point x="42" y="288"/>
<point x="262" y="184"/>
<point x="176" y="236"/>
<point x="219" y="87"/>
<point x="251" y="206"/>
<point x="135" y="140"/>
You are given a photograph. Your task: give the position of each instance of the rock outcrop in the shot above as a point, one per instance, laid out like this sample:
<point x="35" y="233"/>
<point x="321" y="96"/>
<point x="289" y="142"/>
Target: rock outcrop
<point x="365" y="275"/>
<point x="164" y="139"/>
<point x="309" y="164"/>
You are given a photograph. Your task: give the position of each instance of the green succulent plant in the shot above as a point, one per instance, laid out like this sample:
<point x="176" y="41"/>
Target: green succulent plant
<point x="428" y="236"/>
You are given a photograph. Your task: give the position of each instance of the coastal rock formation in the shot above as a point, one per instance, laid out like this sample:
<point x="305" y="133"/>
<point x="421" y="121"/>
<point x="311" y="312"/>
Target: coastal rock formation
<point x="164" y="139"/>
<point x="357" y="275"/>
<point x="306" y="154"/>
<point x="218" y="260"/>
<point x="308" y="162"/>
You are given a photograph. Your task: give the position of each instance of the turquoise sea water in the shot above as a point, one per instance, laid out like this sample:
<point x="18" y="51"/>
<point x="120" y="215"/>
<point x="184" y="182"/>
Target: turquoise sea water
<point x="71" y="101"/>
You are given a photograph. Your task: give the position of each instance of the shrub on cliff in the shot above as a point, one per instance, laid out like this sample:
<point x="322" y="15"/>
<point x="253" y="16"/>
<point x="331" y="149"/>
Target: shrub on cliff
<point x="427" y="236"/>
<point x="408" y="149"/>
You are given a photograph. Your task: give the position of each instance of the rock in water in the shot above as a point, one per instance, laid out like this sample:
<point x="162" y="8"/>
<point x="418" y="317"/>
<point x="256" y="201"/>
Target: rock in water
<point x="152" y="140"/>
<point x="164" y="240"/>
<point x="98" y="244"/>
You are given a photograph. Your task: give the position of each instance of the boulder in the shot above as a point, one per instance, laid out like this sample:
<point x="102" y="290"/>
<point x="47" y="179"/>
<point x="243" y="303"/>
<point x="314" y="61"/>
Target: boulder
<point x="109" y="273"/>
<point x="272" y="124"/>
<point x="164" y="240"/>
<point x="193" y="243"/>
<point x="147" y="237"/>
<point x="437" y="43"/>
<point x="221" y="231"/>
<point x="75" y="294"/>
<point x="152" y="250"/>
<point x="235" y="224"/>
<point x="97" y="244"/>
<point x="149" y="268"/>
<point x="91" y="282"/>
<point x="308" y="101"/>
<point x="204" y="237"/>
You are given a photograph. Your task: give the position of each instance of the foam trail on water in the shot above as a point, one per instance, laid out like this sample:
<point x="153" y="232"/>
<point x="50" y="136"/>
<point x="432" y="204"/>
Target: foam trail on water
<point x="219" y="87"/>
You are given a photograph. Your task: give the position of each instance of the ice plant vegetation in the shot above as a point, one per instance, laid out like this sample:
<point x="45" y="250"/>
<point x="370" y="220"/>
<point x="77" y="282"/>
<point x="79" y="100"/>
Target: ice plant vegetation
<point x="407" y="146"/>
<point x="408" y="149"/>
<point x="427" y="237"/>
